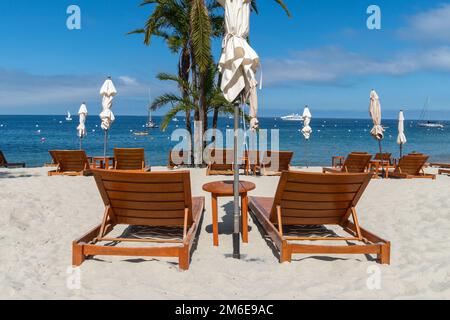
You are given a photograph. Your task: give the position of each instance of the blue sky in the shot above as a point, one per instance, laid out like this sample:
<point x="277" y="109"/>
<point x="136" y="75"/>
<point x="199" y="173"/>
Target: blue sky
<point x="324" y="56"/>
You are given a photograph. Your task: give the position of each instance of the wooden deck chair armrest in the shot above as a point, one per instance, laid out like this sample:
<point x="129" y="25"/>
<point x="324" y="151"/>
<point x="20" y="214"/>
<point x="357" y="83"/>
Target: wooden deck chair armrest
<point x="280" y="223"/>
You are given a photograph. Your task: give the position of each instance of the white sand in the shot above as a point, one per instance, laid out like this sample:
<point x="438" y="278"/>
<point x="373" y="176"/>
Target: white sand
<point x="40" y="216"/>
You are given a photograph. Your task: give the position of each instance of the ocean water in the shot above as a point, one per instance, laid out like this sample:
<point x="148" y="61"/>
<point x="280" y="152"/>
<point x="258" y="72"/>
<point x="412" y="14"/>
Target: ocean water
<point x="28" y="138"/>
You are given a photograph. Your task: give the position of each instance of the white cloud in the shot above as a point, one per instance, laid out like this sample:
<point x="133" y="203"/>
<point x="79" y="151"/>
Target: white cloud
<point x="18" y="88"/>
<point x="333" y="65"/>
<point x="430" y="25"/>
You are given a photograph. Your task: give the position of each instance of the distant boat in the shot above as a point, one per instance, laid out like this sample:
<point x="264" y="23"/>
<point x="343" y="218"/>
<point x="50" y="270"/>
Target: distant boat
<point x="69" y="116"/>
<point x="175" y="120"/>
<point x="292" y="117"/>
<point x="150" y="123"/>
<point x="141" y="133"/>
<point x="424" y="121"/>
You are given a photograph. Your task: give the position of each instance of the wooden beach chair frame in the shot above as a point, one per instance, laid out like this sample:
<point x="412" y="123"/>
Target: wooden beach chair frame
<point x="69" y="163"/>
<point x="356" y="162"/>
<point x="130" y="159"/>
<point x="5" y="164"/>
<point x="316" y="199"/>
<point x="284" y="162"/>
<point x="411" y="166"/>
<point x="118" y="188"/>
<point x="220" y="167"/>
<point x="444" y="171"/>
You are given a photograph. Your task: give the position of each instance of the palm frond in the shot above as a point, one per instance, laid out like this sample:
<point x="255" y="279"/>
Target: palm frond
<point x="200" y="34"/>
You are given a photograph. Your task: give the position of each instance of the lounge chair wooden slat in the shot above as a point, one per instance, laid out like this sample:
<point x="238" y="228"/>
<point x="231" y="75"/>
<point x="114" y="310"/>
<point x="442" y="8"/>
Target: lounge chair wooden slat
<point x="220" y="162"/>
<point x="323" y="188"/>
<point x="5" y="164"/>
<point x="148" y="205"/>
<point x="275" y="162"/>
<point x="290" y="208"/>
<point x="144" y="205"/>
<point x="143" y="187"/>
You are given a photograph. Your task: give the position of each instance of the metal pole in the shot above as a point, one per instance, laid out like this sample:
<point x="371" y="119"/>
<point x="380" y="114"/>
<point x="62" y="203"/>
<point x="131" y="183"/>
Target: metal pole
<point x="237" y="222"/>
<point x="382" y="159"/>
<point x="401" y="150"/>
<point x="81" y="143"/>
<point x="105" y="144"/>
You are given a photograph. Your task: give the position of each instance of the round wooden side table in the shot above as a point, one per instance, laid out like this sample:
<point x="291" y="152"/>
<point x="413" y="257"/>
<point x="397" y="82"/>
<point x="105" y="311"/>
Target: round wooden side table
<point x="225" y="189"/>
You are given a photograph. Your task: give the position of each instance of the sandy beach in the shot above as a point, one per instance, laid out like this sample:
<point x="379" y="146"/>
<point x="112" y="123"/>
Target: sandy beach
<point x="42" y="215"/>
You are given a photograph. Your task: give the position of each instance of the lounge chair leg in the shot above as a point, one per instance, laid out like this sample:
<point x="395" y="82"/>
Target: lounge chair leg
<point x="385" y="256"/>
<point x="286" y="253"/>
<point x="183" y="258"/>
<point x="77" y="255"/>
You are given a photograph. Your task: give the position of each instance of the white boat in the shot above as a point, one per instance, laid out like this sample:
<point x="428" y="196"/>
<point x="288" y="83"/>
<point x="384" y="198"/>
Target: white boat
<point x="175" y="120"/>
<point x="292" y="117"/>
<point x="150" y="123"/>
<point x="424" y="121"/>
<point x="69" y="116"/>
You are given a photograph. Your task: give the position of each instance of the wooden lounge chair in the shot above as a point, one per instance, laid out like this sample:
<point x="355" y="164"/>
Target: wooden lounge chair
<point x="311" y="199"/>
<point x="5" y="164"/>
<point x="410" y="167"/>
<point x="275" y="162"/>
<point x="70" y="163"/>
<point x="440" y="165"/>
<point x="384" y="158"/>
<point x="444" y="171"/>
<point x="130" y="160"/>
<point x="354" y="163"/>
<point x="220" y="162"/>
<point x="178" y="158"/>
<point x="150" y="199"/>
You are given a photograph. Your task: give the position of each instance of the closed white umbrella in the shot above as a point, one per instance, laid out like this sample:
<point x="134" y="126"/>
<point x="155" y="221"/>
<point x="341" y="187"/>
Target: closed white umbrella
<point x="307" y="130"/>
<point x="108" y="92"/>
<point x="375" y="113"/>
<point x="238" y="65"/>
<point x="401" y="139"/>
<point x="81" y="129"/>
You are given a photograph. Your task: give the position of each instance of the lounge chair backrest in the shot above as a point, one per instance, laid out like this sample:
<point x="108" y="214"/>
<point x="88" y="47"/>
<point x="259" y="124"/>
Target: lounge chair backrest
<point x="277" y="160"/>
<point x="70" y="160"/>
<point x="411" y="164"/>
<point x="178" y="158"/>
<point x="3" y="161"/>
<point x="146" y="198"/>
<point x="221" y="159"/>
<point x="383" y="157"/>
<point x="129" y="159"/>
<point x="356" y="162"/>
<point x="317" y="198"/>
<point x="253" y="156"/>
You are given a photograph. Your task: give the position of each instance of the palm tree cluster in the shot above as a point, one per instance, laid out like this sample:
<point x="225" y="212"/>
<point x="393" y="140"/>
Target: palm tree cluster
<point x="188" y="28"/>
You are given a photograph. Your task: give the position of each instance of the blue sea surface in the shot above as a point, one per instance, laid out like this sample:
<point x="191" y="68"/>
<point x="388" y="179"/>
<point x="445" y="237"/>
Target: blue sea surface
<point x="28" y="138"/>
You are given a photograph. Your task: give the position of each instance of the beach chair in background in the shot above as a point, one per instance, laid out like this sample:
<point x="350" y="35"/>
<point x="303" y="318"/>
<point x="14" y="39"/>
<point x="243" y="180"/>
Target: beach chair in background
<point x="70" y="163"/>
<point x="5" y="164"/>
<point x="179" y="158"/>
<point x="356" y="162"/>
<point x="275" y="162"/>
<point x="155" y="200"/>
<point x="220" y="162"/>
<point x="306" y="202"/>
<point x="130" y="159"/>
<point x="444" y="171"/>
<point x="411" y="166"/>
<point x="252" y="162"/>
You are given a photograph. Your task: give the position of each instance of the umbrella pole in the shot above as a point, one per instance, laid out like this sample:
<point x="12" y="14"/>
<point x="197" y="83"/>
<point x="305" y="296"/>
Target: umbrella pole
<point x="401" y="150"/>
<point x="237" y="224"/>
<point x="81" y="143"/>
<point x="105" y="145"/>
<point x="381" y="153"/>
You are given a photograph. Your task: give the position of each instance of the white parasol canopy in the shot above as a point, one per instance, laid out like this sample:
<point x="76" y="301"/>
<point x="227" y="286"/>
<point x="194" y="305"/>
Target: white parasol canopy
<point x="83" y="115"/>
<point x="375" y="113"/>
<point x="108" y="91"/>
<point x="307" y="130"/>
<point x="401" y="139"/>
<point x="239" y="62"/>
